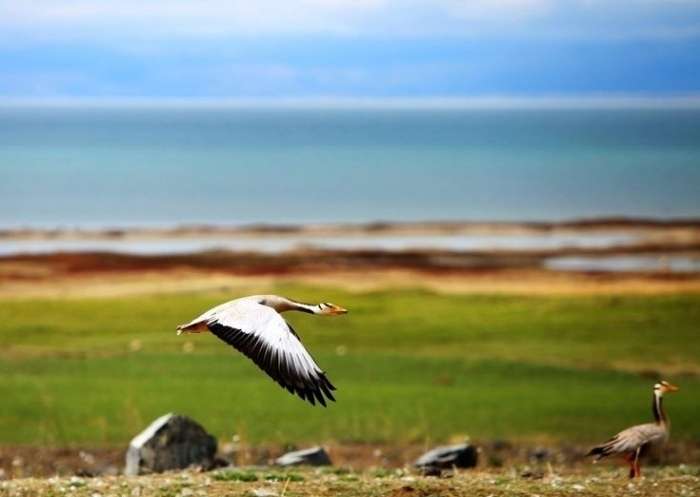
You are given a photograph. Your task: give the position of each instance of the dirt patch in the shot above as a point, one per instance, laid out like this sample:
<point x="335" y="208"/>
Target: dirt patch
<point x="23" y="461"/>
<point x="410" y="491"/>
<point x="30" y="461"/>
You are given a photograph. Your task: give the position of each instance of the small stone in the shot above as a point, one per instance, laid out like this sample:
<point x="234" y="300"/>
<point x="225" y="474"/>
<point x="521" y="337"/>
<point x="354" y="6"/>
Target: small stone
<point x="532" y="474"/>
<point x="315" y="456"/>
<point x="540" y="454"/>
<point x="446" y="457"/>
<point x="263" y="492"/>
<point x="431" y="471"/>
<point x="86" y="457"/>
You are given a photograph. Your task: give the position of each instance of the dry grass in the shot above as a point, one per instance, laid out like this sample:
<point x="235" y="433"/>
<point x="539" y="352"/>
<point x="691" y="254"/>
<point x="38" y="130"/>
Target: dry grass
<point x="679" y="481"/>
<point x="43" y="282"/>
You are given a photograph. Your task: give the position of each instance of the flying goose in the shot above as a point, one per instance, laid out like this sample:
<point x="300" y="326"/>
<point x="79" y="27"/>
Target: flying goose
<point x="254" y="326"/>
<point x="634" y="442"/>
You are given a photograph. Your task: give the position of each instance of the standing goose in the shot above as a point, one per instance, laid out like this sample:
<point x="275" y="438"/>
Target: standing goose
<point x="634" y="442"/>
<point x="254" y="326"/>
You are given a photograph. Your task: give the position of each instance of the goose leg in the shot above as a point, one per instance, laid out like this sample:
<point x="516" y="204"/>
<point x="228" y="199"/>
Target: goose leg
<point x="629" y="458"/>
<point x="637" y="469"/>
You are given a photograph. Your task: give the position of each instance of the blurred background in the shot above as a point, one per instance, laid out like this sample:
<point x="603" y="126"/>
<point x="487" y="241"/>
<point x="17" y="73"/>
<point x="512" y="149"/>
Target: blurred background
<point x="505" y="194"/>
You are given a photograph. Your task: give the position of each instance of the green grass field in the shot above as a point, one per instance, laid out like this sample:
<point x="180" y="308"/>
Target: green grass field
<point x="409" y="366"/>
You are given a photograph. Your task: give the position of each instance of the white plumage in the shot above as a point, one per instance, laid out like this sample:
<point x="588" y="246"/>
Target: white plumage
<point x="254" y="326"/>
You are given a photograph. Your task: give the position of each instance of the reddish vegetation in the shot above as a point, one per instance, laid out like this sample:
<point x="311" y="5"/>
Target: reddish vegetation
<point x="318" y="261"/>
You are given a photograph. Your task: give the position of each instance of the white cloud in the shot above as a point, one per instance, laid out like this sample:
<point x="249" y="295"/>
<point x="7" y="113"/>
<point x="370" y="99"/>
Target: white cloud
<point x="189" y="17"/>
<point x="204" y="18"/>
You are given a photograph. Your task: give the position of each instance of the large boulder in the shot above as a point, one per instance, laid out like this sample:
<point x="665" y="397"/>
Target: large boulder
<point x="449" y="456"/>
<point x="315" y="456"/>
<point x="170" y="442"/>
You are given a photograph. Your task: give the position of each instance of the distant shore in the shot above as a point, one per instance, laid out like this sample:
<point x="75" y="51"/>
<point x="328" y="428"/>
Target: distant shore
<point x="378" y="228"/>
<point x="590" y="256"/>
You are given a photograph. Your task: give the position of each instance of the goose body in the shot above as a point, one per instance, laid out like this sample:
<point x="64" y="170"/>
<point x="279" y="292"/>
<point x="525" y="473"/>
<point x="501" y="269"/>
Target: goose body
<point x="253" y="325"/>
<point x="636" y="441"/>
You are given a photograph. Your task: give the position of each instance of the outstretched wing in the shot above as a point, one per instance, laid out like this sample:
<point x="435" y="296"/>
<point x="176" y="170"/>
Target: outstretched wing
<point x="260" y="333"/>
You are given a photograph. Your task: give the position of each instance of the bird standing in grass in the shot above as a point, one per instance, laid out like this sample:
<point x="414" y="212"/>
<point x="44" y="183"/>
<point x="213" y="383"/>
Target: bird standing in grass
<point x="634" y="442"/>
<point x="254" y="326"/>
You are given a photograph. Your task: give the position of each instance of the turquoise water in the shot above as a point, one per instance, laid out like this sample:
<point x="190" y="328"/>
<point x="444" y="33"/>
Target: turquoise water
<point x="90" y="167"/>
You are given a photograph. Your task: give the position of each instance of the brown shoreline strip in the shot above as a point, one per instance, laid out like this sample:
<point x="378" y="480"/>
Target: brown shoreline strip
<point x="378" y="228"/>
<point x="324" y="261"/>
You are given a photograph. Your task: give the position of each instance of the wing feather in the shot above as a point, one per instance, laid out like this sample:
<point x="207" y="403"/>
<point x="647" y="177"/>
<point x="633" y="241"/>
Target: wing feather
<point x="630" y="440"/>
<point x="261" y="334"/>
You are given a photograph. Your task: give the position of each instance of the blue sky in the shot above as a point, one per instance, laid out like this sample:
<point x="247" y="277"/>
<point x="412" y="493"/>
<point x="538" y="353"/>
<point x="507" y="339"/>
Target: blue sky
<point x="348" y="48"/>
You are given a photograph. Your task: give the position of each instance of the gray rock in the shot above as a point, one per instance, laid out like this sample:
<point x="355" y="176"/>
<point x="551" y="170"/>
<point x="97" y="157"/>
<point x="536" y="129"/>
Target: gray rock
<point x="170" y="442"/>
<point x="460" y="456"/>
<point x="315" y="456"/>
<point x="539" y="454"/>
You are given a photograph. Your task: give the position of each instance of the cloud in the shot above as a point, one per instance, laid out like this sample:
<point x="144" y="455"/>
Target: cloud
<point x="378" y="48"/>
<point x="404" y="18"/>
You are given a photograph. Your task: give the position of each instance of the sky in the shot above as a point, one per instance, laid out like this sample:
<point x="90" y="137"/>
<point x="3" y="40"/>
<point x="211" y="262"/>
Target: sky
<point x="157" y="49"/>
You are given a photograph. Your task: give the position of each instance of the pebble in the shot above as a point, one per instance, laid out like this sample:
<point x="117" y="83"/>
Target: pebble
<point x="264" y="492"/>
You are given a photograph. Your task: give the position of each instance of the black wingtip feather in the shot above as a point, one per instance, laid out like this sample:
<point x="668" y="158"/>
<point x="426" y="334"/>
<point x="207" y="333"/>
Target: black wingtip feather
<point x="311" y="389"/>
<point x="599" y="452"/>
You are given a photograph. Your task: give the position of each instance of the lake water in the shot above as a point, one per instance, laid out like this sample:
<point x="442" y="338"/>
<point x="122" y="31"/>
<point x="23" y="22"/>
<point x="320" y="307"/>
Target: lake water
<point x="627" y="263"/>
<point x="272" y="244"/>
<point x="102" y="166"/>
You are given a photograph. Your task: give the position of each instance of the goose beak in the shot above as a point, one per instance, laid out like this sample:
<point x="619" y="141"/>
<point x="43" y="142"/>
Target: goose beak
<point x="672" y="388"/>
<point x="336" y="310"/>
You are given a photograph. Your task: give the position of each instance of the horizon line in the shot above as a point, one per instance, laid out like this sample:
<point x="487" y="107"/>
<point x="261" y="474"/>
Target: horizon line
<point x="583" y="101"/>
